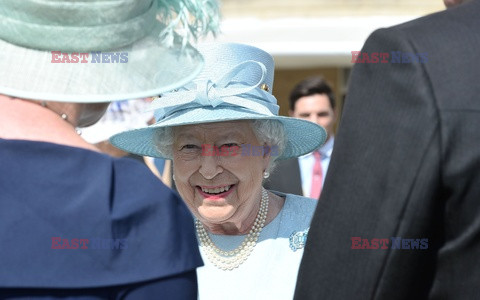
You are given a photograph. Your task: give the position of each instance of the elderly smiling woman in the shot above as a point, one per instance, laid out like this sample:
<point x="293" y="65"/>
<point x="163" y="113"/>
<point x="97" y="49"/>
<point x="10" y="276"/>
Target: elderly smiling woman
<point x="251" y="239"/>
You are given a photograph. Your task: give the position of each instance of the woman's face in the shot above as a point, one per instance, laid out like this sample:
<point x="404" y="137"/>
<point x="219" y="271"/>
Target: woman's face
<point x="221" y="187"/>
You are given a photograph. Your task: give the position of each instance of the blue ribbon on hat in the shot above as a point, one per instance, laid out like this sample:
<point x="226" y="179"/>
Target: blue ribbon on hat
<point x="225" y="91"/>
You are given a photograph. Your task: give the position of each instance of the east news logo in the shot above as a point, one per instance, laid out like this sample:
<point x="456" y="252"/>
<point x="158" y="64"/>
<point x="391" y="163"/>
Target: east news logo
<point x="95" y="57"/>
<point x="243" y="150"/>
<point x="93" y="243"/>
<point x="394" y="57"/>
<point x="392" y="243"/>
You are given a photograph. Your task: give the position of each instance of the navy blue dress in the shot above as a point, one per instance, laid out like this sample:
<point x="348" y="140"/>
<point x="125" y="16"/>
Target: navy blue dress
<point x="78" y="224"/>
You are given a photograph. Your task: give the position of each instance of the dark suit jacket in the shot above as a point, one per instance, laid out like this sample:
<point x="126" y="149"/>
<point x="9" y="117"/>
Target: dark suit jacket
<point x="286" y="178"/>
<point x="406" y="163"/>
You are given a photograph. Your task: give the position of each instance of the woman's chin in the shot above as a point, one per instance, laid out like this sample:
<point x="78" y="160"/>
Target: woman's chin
<point x="214" y="215"/>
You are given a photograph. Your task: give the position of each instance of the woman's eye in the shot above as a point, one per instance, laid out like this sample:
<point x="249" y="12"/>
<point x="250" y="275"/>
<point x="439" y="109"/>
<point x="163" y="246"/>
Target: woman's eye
<point x="230" y="145"/>
<point x="189" y="147"/>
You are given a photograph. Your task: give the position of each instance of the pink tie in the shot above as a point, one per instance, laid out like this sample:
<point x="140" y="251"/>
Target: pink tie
<point x="317" y="176"/>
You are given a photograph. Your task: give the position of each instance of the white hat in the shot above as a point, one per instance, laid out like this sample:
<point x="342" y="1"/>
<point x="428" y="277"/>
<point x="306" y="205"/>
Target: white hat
<point x="96" y="50"/>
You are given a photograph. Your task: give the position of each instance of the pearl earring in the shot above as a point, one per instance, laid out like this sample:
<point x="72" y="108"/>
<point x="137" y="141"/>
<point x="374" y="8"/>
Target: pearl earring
<point x="266" y="174"/>
<point x="173" y="177"/>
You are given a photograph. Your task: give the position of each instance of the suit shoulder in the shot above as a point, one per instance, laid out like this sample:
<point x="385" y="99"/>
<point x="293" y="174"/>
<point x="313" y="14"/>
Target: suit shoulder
<point x="443" y="22"/>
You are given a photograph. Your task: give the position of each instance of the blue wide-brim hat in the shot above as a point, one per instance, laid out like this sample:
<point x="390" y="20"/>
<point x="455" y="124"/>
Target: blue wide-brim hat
<point x="235" y="84"/>
<point x="99" y="51"/>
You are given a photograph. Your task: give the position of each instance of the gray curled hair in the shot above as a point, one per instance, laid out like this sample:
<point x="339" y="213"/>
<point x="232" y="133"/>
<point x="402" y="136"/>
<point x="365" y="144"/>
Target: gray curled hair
<point x="267" y="131"/>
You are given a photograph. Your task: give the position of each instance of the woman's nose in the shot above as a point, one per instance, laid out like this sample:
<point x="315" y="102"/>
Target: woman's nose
<point x="210" y="167"/>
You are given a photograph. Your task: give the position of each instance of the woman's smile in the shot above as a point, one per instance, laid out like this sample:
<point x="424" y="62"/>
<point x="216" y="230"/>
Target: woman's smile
<point x="214" y="193"/>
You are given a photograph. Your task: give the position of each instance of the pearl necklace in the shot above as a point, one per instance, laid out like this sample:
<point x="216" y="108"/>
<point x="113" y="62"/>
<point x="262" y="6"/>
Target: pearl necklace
<point x="229" y="260"/>
<point x="64" y="117"/>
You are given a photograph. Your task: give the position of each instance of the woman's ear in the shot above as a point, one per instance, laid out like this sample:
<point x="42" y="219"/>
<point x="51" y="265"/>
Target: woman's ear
<point x="267" y="153"/>
<point x="270" y="150"/>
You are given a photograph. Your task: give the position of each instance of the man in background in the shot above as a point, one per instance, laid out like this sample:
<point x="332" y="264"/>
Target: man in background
<point x="399" y="216"/>
<point x="313" y="100"/>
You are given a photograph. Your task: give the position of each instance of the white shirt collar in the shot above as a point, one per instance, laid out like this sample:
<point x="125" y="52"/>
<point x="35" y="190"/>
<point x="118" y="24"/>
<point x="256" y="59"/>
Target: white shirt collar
<point x="326" y="149"/>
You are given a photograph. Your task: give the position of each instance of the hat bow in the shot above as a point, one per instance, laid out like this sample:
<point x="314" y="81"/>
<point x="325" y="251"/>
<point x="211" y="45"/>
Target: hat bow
<point x="227" y="91"/>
